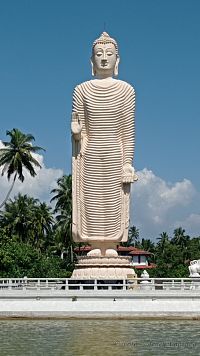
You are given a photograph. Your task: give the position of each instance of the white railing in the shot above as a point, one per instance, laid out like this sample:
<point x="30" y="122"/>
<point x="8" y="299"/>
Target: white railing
<point x="67" y="284"/>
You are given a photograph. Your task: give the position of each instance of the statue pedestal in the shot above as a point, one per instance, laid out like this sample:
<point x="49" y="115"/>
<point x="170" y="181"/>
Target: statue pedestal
<point x="95" y="267"/>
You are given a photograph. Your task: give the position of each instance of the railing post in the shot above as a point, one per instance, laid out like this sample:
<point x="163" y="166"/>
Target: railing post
<point x="95" y="284"/>
<point x="110" y="287"/>
<point x="153" y="283"/>
<point x="172" y="283"/>
<point x="24" y="283"/>
<point x="182" y="284"/>
<point x="124" y="284"/>
<point x="10" y="284"/>
<point x="38" y="284"/>
<point x="66" y="284"/>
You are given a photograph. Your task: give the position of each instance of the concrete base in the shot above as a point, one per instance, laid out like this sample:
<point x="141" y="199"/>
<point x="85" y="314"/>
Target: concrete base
<point x="99" y="267"/>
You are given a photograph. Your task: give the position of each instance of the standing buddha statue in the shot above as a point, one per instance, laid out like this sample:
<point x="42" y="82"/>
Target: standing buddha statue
<point x="103" y="147"/>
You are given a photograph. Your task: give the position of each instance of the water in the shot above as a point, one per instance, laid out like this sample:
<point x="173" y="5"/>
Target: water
<point x="99" y="337"/>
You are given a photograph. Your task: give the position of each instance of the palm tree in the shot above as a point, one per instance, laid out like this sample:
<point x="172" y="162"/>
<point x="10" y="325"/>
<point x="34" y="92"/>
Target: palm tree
<point x="147" y="245"/>
<point x="63" y="194"/>
<point x="182" y="241"/>
<point x="17" y="155"/>
<point x="28" y="220"/>
<point x="180" y="238"/>
<point x="163" y="242"/>
<point x="63" y="209"/>
<point x="42" y="222"/>
<point x="133" y="236"/>
<point x="17" y="217"/>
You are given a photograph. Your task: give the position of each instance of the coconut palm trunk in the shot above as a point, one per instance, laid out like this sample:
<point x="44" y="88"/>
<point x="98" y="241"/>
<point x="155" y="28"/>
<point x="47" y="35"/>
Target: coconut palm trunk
<point x="9" y="192"/>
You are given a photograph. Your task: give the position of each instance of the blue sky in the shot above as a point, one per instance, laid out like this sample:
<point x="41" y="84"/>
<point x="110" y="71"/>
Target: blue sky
<point x="45" y="50"/>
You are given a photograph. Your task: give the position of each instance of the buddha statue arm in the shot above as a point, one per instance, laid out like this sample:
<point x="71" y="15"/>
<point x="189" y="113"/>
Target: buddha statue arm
<point x="128" y="137"/>
<point x="77" y="123"/>
<point x="76" y="126"/>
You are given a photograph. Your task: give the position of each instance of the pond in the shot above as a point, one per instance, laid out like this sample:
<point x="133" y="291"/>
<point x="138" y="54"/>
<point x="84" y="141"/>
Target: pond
<point x="99" y="337"/>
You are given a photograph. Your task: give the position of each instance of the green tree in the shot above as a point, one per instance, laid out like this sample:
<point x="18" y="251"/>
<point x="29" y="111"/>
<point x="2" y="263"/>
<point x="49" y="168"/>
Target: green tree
<point x="133" y="236"/>
<point x="172" y="256"/>
<point x="63" y="211"/>
<point x="17" y="217"/>
<point x="63" y="195"/>
<point x="163" y="243"/>
<point x="27" y="219"/>
<point x="18" y="259"/>
<point x="147" y="245"/>
<point x="17" y="155"/>
<point x="42" y="223"/>
<point x="180" y="238"/>
<point x="193" y="249"/>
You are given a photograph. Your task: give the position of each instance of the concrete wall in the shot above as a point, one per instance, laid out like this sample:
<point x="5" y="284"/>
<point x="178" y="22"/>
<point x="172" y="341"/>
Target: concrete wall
<point x="100" y="304"/>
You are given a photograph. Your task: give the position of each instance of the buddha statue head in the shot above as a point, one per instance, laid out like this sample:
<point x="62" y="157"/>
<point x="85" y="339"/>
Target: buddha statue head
<point x="105" y="58"/>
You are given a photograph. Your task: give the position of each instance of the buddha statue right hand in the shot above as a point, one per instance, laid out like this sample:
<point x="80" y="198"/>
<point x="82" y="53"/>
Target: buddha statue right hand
<point x="129" y="175"/>
<point x="76" y="126"/>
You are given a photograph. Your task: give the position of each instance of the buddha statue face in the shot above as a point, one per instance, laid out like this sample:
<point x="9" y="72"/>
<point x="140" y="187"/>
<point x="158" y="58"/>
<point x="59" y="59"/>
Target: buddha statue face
<point x="105" y="57"/>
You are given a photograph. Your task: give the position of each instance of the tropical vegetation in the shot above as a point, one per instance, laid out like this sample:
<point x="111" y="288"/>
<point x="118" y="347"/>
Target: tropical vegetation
<point x="35" y="237"/>
<point x="35" y="240"/>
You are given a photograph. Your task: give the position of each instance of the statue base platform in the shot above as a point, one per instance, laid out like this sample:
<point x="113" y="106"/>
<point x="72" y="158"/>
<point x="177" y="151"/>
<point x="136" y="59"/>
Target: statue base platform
<point x="95" y="267"/>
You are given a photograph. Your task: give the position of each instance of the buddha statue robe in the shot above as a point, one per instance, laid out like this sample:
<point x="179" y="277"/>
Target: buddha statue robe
<point x="100" y="198"/>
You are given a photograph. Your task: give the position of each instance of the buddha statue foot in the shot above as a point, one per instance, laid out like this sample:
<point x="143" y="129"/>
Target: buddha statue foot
<point x="103" y="251"/>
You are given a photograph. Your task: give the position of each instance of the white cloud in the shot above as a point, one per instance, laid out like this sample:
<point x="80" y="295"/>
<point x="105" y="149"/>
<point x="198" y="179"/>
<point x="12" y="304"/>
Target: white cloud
<point x="39" y="186"/>
<point x="190" y="224"/>
<point x="158" y="206"/>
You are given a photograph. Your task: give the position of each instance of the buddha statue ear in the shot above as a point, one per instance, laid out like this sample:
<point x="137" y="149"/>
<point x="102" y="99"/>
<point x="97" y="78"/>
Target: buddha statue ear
<point x="93" y="70"/>
<point x="116" y="66"/>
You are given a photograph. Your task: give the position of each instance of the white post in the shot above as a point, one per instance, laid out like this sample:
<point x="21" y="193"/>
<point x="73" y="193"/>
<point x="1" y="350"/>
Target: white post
<point x="38" y="284"/>
<point x="153" y="283"/>
<point x="110" y="287"/>
<point x="10" y="284"/>
<point x="47" y="283"/>
<point x="124" y="284"/>
<point x="25" y="283"/>
<point x="172" y="283"/>
<point x="182" y="284"/>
